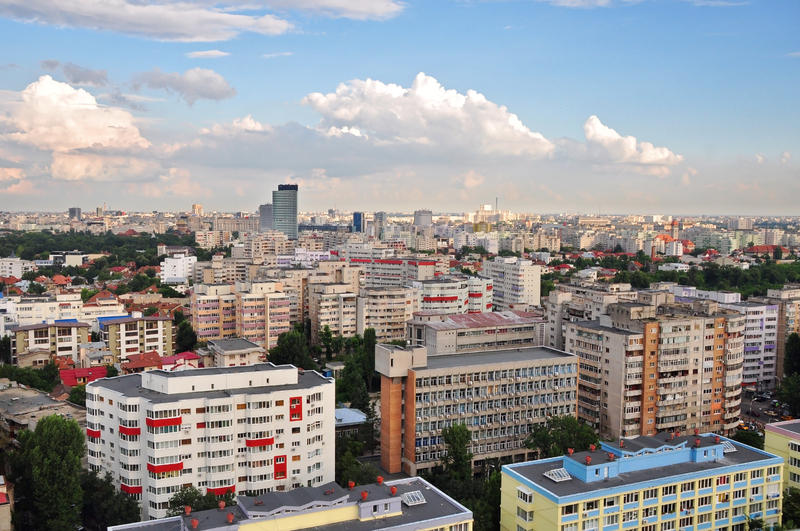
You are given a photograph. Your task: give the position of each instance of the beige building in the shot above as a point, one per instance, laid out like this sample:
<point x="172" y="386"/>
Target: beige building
<point x="222" y="270"/>
<point x="209" y="239"/>
<point x="257" y="311"/>
<point x="35" y="344"/>
<point x="499" y="395"/>
<point x="449" y="334"/>
<point x="235" y="351"/>
<point x="334" y="306"/>
<point x="385" y="310"/>
<point x="137" y="334"/>
<point x="517" y="283"/>
<point x="652" y="368"/>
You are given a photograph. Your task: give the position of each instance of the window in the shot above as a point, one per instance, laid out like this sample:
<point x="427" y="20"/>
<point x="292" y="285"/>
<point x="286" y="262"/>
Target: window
<point x="527" y="496"/>
<point x="757" y="473"/>
<point x="591" y="524"/>
<point x="704" y="500"/>
<point x="611" y="502"/>
<point x="740" y="476"/>
<point x="689" y="485"/>
<point x="569" y="509"/>
<point x="649" y="511"/>
<point x="669" y="490"/>
<point x="668" y="508"/>
<point x="631" y="497"/>
<point x="650" y="494"/>
<point x="611" y="519"/>
<point x="591" y="505"/>
<point x="630" y="516"/>
<point x="524" y="515"/>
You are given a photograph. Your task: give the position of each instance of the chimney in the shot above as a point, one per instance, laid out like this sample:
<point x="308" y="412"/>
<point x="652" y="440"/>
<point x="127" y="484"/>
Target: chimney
<point x="716" y="439"/>
<point x="622" y="443"/>
<point x="221" y="505"/>
<point x="229" y="517"/>
<point x="195" y="523"/>
<point x="350" y="485"/>
<point x="696" y="432"/>
<point x="592" y="448"/>
<point x="570" y="451"/>
<point x="588" y="460"/>
<point x="677" y="434"/>
<point x="364" y="495"/>
<point x="393" y="490"/>
<point x="187" y="510"/>
<point x="379" y="479"/>
<point x="610" y="456"/>
<point x="697" y="443"/>
<point x="671" y="435"/>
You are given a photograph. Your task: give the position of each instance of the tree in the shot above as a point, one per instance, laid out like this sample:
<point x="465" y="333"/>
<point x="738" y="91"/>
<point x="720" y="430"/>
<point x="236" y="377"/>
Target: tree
<point x="791" y="507"/>
<point x="458" y="461"/>
<point x="103" y="504"/>
<point x="5" y="349"/>
<point x="789" y="392"/>
<point x="351" y="386"/>
<point x="111" y="371"/>
<point x="77" y="395"/>
<point x="559" y="433"/>
<point x="46" y="473"/>
<point x="791" y="357"/>
<point x="292" y="349"/>
<point x="326" y="337"/>
<point x="198" y="502"/>
<point x="151" y="310"/>
<point x="348" y="467"/>
<point x="36" y="289"/>
<point x="370" y="340"/>
<point x="749" y="438"/>
<point x="754" y="524"/>
<point x="186" y="338"/>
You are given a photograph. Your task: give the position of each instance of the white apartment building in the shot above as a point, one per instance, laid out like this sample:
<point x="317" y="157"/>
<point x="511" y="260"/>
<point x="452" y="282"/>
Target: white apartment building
<point x="385" y="310"/>
<point x="334" y="306"/>
<point x="178" y="269"/>
<point x="32" y="310"/>
<point x="136" y="334"/>
<point x="400" y="271"/>
<point x="516" y="282"/>
<point x="451" y="295"/>
<point x="760" y="344"/>
<point x="449" y="334"/>
<point x="15" y="267"/>
<point x="251" y="429"/>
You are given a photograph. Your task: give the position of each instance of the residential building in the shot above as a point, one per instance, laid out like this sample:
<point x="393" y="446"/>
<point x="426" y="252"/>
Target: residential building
<point x="56" y="339"/>
<point x="334" y="306"/>
<point x="669" y="481"/>
<point x="423" y="218"/>
<point x="783" y="440"/>
<point x="15" y="267"/>
<point x="284" y="210"/>
<point x="180" y="362"/>
<point x="254" y="429"/>
<point x="401" y="504"/>
<point x="132" y="335"/>
<point x="349" y="422"/>
<point x="760" y="344"/>
<point x="386" y="272"/>
<point x="65" y="306"/>
<point x="650" y="368"/>
<point x="516" y="282"/>
<point x="458" y="333"/>
<point x="211" y="239"/>
<point x="257" y="311"/>
<point x="500" y="395"/>
<point x="385" y="310"/>
<point x="236" y="351"/>
<point x="177" y="269"/>
<point x="454" y="294"/>
<point x="146" y="361"/>
<point x="265" y="217"/>
<point x="787" y="299"/>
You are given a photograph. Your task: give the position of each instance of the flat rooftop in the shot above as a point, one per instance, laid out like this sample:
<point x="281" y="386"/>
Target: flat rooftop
<point x="234" y="344"/>
<point x="534" y="471"/>
<point x="482" y="320"/>
<point x="595" y="325"/>
<point x="21" y="405"/>
<point x="792" y="426"/>
<point x="446" y="361"/>
<point x="131" y="384"/>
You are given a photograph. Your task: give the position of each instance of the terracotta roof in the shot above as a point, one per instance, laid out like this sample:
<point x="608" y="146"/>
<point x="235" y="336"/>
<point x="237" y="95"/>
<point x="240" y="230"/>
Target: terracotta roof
<point x="142" y="361"/>
<point x="70" y="376"/>
<point x="61" y="280"/>
<point x="102" y="295"/>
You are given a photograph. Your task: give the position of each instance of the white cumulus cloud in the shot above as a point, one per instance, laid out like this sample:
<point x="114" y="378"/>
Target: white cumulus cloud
<point x="192" y="85"/>
<point x="207" y="54"/>
<point x="78" y="166"/>
<point x="276" y="54"/>
<point x="353" y="9"/>
<point x="760" y="158"/>
<point x="426" y="114"/>
<point x="55" y="116"/>
<point x="786" y="157"/>
<point x="604" y="143"/>
<point x="167" y="20"/>
<point x="175" y="182"/>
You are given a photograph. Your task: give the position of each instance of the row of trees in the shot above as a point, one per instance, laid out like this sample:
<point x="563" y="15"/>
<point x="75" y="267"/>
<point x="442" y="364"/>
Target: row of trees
<point x="789" y="388"/>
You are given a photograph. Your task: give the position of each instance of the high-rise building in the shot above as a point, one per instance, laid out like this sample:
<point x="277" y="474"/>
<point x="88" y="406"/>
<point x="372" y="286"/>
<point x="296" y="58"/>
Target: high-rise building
<point x="75" y="213"/>
<point x="197" y="209"/>
<point x="136" y="334"/>
<point x="670" y="481"/>
<point x="254" y="429"/>
<point x="284" y="210"/>
<point x="517" y="282"/>
<point x="423" y="218"/>
<point x="386" y="311"/>
<point x="379" y="220"/>
<point x="265" y="217"/>
<point x="358" y="222"/>
<point x="499" y="395"/>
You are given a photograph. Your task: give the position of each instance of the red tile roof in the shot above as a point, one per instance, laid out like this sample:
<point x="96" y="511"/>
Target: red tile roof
<point x="70" y="376"/>
<point x="144" y="360"/>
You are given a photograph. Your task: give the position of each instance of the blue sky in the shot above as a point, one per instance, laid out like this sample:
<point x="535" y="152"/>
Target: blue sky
<point x="707" y="89"/>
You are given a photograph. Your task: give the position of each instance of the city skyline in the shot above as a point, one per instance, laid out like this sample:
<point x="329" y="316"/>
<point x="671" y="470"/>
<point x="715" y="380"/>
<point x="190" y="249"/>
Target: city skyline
<point x="600" y="106"/>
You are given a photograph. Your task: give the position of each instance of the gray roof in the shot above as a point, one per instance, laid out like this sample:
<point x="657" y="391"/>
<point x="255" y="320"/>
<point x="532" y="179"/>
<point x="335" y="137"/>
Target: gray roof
<point x="346" y="416"/>
<point x="131" y="384"/>
<point x="534" y="471"/>
<point x="595" y="325"/>
<point x="498" y="356"/>
<point x="234" y="344"/>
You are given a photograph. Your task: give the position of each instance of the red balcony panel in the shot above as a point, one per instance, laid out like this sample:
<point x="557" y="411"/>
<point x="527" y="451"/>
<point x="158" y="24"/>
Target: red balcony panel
<point x="156" y="423"/>
<point x="296" y="410"/>
<point x="426" y="263"/>
<point x="279" y="468"/>
<point x="94" y="434"/>
<point x="475" y="295"/>
<point x="125" y="430"/>
<point x="221" y="491"/>
<point x="130" y="490"/>
<point x="252" y="443"/>
<point x="440" y="299"/>
<point x="170" y="467"/>
<point x="489" y="287"/>
<point x="391" y="262"/>
<point x="489" y="305"/>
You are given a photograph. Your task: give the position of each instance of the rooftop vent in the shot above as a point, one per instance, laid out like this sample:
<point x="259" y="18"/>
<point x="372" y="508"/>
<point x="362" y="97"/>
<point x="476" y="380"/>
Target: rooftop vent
<point x="558" y="475"/>
<point x="413" y="498"/>
<point x="728" y="447"/>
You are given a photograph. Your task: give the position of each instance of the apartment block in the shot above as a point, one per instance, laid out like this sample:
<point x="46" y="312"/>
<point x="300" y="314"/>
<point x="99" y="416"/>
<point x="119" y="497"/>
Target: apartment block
<point x="64" y="306"/>
<point x="788" y="301"/>
<point x="499" y="395"/>
<point x="177" y="269"/>
<point x="516" y="283"/>
<point x="210" y="239"/>
<point x="660" y="367"/>
<point x="250" y="429"/>
<point x="37" y="344"/>
<point x="15" y="267"/>
<point x="132" y="335"/>
<point x="234" y="352"/>
<point x="666" y="482"/>
<point x="385" y="310"/>
<point x="334" y="306"/>
<point x="783" y="439"/>
<point x="256" y="311"/>
<point x="760" y="344"/>
<point x="454" y="294"/>
<point x="222" y="270"/>
<point x="401" y="504"/>
<point x="457" y="333"/>
<point x="388" y="272"/>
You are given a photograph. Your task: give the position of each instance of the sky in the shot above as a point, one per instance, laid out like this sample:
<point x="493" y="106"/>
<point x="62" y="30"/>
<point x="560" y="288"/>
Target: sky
<point x="597" y="106"/>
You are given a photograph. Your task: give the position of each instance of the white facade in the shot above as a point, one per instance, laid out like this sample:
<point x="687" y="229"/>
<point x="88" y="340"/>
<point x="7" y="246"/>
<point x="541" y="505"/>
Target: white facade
<point x="244" y="429"/>
<point x="32" y="310"/>
<point x="177" y="269"/>
<point x="15" y="267"/>
<point x="517" y="283"/>
<point x="760" y="343"/>
<point x="453" y="295"/>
